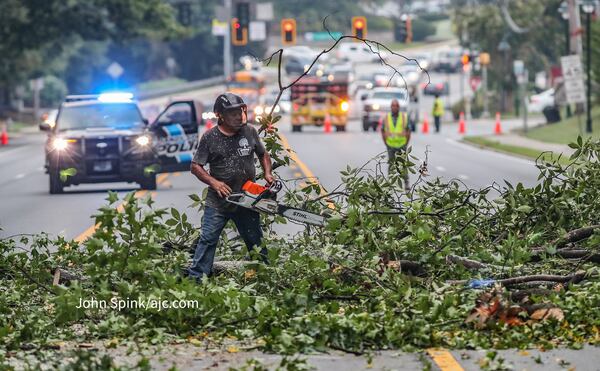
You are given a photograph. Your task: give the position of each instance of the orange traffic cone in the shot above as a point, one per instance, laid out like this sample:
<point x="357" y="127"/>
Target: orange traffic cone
<point x="4" y="136"/>
<point x="461" y="124"/>
<point x="327" y="124"/>
<point x="425" y="129"/>
<point x="498" y="128"/>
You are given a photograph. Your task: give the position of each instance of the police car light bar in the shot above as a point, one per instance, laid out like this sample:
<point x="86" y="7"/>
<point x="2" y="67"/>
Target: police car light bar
<point x="115" y="97"/>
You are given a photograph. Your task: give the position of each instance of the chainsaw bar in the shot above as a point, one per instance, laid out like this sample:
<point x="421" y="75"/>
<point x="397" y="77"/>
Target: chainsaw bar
<point x="271" y="206"/>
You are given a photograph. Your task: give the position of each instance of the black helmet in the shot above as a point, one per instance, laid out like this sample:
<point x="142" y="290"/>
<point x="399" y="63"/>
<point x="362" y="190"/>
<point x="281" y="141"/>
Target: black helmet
<point x="228" y="101"/>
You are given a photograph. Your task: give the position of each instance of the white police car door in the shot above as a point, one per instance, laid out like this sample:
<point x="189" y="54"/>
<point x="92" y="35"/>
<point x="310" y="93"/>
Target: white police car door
<point x="176" y="136"/>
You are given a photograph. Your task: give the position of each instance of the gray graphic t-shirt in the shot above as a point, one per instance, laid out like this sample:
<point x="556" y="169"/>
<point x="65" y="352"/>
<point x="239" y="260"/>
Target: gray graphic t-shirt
<point x="231" y="160"/>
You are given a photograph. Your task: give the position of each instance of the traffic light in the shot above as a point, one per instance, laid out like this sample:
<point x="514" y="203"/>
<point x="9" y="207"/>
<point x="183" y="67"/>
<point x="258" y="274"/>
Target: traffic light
<point x="288" y="31"/>
<point x="184" y="13"/>
<point x="239" y="34"/>
<point x="359" y="27"/>
<point x="401" y="29"/>
<point x="242" y="13"/>
<point x="465" y="60"/>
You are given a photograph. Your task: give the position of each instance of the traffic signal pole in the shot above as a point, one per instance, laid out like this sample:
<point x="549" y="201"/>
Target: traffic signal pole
<point x="227" y="68"/>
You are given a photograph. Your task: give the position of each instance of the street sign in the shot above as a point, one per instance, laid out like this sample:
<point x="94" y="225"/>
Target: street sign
<point x="573" y="77"/>
<point x="219" y="28"/>
<point x="475" y="81"/>
<point x="518" y="67"/>
<point x="115" y="70"/>
<point x="36" y="84"/>
<point x="264" y="12"/>
<point x="321" y="36"/>
<point x="258" y="31"/>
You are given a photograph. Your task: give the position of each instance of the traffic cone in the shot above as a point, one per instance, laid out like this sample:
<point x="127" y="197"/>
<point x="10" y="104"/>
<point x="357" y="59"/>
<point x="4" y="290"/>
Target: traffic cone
<point x="461" y="124"/>
<point x="498" y="128"/>
<point x="425" y="129"/>
<point x="327" y="124"/>
<point x="4" y="136"/>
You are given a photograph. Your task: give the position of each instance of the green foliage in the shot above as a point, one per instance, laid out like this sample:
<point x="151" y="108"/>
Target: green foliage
<point x="539" y="48"/>
<point x="66" y="173"/>
<point x="421" y="29"/>
<point x="340" y="286"/>
<point x="35" y="34"/>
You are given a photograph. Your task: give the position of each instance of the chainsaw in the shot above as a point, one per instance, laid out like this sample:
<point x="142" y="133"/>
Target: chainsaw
<point x="264" y="198"/>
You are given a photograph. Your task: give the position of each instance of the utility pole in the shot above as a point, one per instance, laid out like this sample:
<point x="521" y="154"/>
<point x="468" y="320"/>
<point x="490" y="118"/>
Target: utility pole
<point x="227" y="67"/>
<point x="576" y="43"/>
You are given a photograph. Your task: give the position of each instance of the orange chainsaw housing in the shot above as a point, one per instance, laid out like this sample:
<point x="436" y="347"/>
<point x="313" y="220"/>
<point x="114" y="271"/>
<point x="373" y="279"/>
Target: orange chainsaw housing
<point x="253" y="188"/>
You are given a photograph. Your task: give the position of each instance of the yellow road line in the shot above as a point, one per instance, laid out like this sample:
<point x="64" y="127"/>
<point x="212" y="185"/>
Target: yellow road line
<point x="305" y="170"/>
<point x="307" y="173"/>
<point x="444" y="359"/>
<point x="90" y="230"/>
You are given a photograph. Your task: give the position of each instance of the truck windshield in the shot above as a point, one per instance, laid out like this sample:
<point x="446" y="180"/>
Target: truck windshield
<point x="388" y="95"/>
<point x="100" y="115"/>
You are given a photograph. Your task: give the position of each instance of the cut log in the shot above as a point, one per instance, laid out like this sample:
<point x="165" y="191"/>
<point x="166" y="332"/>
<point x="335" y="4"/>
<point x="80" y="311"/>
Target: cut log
<point x="568" y="254"/>
<point x="575" y="236"/>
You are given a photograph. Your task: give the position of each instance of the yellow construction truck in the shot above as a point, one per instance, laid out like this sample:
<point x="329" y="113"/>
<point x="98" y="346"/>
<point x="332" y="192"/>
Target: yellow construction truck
<point x="320" y="100"/>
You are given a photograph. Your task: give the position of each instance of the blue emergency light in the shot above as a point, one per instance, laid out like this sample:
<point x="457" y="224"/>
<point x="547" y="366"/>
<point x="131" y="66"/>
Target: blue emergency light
<point x="115" y="97"/>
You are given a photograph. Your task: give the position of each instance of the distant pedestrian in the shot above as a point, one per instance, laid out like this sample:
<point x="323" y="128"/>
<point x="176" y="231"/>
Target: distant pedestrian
<point x="438" y="112"/>
<point x="395" y="133"/>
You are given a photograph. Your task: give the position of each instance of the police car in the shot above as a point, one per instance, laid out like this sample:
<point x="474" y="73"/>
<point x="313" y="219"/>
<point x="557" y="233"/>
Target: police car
<point x="104" y="138"/>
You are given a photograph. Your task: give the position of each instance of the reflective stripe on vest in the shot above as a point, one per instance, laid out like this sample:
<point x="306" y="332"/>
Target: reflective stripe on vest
<point x="396" y="139"/>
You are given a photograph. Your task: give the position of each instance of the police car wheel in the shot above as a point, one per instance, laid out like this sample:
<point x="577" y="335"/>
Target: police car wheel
<point x="56" y="186"/>
<point x="148" y="183"/>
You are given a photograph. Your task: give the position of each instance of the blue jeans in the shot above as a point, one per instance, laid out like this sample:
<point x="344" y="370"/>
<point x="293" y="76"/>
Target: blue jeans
<point x="213" y="221"/>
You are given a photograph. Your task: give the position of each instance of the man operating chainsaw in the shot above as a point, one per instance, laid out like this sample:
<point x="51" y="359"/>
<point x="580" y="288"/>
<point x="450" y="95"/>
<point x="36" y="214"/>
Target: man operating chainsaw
<point x="229" y="149"/>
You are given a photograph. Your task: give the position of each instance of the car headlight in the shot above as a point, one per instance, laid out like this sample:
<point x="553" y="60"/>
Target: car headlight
<point x="375" y="106"/>
<point x="258" y="110"/>
<point x="344" y="106"/>
<point x="61" y="144"/>
<point x="142" y="140"/>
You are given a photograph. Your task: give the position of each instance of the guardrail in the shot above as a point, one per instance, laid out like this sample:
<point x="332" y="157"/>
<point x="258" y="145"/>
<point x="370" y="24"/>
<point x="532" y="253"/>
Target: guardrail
<point x="181" y="88"/>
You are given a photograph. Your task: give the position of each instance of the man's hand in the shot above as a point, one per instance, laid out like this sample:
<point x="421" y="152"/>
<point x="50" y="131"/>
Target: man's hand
<point x="269" y="178"/>
<point x="222" y="189"/>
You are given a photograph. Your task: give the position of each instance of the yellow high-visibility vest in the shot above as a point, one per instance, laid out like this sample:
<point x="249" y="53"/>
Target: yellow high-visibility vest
<point x="397" y="138"/>
<point x="438" y="107"/>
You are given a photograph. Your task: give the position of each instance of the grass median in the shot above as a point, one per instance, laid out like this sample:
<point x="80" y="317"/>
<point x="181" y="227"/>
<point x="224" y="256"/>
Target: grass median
<point x="567" y="130"/>
<point x="515" y="150"/>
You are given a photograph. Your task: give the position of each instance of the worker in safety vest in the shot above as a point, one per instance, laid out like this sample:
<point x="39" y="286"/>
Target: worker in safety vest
<point x="395" y="132"/>
<point x="438" y="112"/>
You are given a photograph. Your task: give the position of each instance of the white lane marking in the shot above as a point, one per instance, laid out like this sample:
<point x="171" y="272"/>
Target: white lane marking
<point x="463" y="176"/>
<point x="498" y="154"/>
<point x="440" y="168"/>
<point x="19" y="176"/>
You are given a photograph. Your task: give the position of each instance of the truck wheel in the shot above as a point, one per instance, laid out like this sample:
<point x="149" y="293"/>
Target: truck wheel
<point x="296" y="128"/>
<point x="148" y="183"/>
<point x="365" y="125"/>
<point x="56" y="186"/>
<point x="340" y="128"/>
